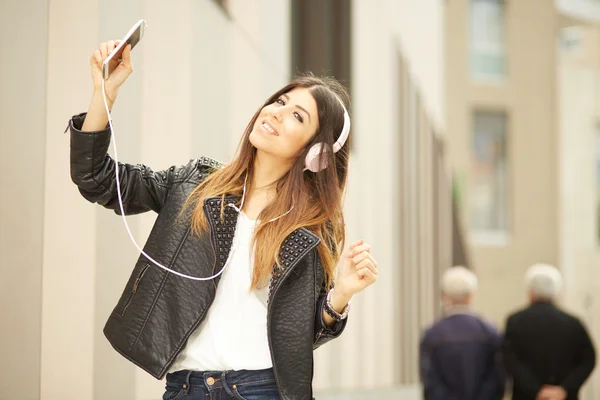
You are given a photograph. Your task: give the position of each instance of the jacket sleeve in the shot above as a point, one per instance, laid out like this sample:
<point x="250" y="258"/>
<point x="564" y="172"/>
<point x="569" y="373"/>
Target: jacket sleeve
<point x="520" y="373"/>
<point x="434" y="387"/>
<point x="324" y="333"/>
<point x="93" y="171"/>
<point x="587" y="360"/>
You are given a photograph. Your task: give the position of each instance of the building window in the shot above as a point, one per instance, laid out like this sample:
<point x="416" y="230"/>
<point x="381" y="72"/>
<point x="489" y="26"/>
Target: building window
<point x="488" y="192"/>
<point x="487" y="39"/>
<point x="321" y="38"/>
<point x="571" y="39"/>
<point x="322" y="41"/>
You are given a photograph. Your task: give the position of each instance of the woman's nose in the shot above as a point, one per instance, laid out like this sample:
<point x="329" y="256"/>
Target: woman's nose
<point x="277" y="114"/>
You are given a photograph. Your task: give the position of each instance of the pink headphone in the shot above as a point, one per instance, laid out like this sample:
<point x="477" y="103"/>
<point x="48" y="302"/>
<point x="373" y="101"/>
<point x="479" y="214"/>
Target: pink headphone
<point x="311" y="162"/>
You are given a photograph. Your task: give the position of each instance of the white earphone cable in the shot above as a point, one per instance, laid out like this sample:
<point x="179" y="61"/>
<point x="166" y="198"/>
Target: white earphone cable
<point x="122" y="208"/>
<point x="116" y="161"/>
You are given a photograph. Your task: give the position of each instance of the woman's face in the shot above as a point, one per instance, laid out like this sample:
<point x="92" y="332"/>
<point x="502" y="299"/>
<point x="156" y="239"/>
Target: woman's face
<point x="283" y="128"/>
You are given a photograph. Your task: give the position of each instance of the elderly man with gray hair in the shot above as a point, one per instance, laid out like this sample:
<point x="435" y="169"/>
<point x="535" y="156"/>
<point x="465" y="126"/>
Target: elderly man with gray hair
<point x="460" y="353"/>
<point x="547" y="352"/>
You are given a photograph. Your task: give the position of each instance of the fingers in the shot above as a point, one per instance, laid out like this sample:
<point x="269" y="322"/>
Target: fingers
<point x="103" y="50"/>
<point x="367" y="275"/>
<point x="367" y="264"/>
<point x="97" y="58"/>
<point x="362" y="248"/>
<point x="360" y="251"/>
<point x="119" y="71"/>
<point x="357" y="243"/>
<point x="356" y="248"/>
<point x="110" y="46"/>
<point x="362" y="256"/>
<point x="127" y="58"/>
<point x="363" y="262"/>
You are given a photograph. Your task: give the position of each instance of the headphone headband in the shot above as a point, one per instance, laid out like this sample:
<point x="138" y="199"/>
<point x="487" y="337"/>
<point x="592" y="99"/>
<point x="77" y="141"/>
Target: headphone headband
<point x="345" y="130"/>
<point x="312" y="161"/>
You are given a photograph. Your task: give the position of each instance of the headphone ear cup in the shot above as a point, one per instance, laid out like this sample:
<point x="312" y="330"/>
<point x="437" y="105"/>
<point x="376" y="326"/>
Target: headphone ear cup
<point x="311" y="162"/>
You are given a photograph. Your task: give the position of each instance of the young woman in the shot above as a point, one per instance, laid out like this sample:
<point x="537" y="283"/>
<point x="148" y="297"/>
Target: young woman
<point x="268" y="228"/>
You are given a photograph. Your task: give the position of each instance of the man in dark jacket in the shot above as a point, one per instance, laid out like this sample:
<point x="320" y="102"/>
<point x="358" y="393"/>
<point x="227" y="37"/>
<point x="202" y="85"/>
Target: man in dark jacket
<point x="460" y="353"/>
<point x="548" y="353"/>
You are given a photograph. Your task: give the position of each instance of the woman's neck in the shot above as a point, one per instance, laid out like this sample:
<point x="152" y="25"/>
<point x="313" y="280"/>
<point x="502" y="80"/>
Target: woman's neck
<point x="261" y="190"/>
<point x="267" y="170"/>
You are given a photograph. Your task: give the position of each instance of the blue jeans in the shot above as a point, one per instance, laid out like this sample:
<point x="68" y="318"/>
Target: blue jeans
<point x="219" y="385"/>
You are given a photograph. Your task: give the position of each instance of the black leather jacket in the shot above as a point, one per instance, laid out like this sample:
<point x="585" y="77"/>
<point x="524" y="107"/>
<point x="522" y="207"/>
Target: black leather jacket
<point x="158" y="311"/>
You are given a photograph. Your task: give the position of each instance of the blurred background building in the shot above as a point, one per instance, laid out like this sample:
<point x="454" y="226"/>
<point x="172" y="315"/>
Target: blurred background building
<point x="523" y="123"/>
<point x="476" y="141"/>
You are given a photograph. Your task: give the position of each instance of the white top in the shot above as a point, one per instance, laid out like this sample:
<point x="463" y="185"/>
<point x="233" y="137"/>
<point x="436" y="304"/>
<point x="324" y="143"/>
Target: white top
<point x="233" y="336"/>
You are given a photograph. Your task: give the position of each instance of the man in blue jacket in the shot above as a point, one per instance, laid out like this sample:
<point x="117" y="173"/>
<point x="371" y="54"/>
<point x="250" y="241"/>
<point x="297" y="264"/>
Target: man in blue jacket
<point x="460" y="355"/>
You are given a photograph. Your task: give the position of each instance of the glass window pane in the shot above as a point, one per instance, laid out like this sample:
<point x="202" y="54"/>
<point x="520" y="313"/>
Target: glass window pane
<point x="488" y="58"/>
<point x="488" y="192"/>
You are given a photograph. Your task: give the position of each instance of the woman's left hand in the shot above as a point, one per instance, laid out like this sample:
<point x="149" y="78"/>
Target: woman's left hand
<point x="357" y="270"/>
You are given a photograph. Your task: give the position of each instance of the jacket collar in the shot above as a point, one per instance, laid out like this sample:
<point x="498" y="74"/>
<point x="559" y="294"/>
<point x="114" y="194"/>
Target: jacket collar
<point x="458" y="309"/>
<point x="297" y="245"/>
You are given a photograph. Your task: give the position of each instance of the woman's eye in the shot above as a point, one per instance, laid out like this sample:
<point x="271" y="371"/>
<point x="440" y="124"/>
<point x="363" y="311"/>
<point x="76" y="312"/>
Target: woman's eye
<point x="298" y="117"/>
<point x="280" y="101"/>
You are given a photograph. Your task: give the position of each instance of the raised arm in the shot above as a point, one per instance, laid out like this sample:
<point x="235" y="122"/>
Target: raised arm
<point x="92" y="170"/>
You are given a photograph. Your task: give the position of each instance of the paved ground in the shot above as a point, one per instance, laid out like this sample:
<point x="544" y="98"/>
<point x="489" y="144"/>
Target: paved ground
<point x="408" y="393"/>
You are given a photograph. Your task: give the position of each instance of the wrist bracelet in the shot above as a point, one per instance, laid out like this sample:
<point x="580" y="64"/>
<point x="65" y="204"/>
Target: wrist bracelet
<point x="334" y="314"/>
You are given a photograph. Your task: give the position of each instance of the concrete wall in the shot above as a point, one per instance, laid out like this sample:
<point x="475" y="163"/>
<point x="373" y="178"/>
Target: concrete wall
<point x="419" y="28"/>
<point x="527" y="95"/>
<point x="377" y="351"/>
<point x="23" y="104"/>
<point x="551" y="98"/>
<point x="580" y="10"/>
<point x="578" y="80"/>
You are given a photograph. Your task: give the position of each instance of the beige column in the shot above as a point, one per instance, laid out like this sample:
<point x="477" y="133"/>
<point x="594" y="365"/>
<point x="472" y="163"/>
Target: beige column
<point x="23" y="38"/>
<point x="67" y="351"/>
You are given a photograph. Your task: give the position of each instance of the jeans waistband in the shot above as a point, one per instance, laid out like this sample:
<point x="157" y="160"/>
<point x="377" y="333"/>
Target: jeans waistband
<point x="216" y="379"/>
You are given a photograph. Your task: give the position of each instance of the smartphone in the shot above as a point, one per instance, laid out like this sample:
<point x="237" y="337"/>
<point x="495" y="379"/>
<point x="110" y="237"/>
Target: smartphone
<point x="132" y="37"/>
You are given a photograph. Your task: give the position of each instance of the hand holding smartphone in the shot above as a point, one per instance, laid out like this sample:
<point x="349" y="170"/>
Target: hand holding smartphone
<point x="132" y="38"/>
<point x="110" y="67"/>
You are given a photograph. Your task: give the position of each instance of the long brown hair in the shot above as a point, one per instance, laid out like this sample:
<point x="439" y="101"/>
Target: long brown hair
<point x="316" y="197"/>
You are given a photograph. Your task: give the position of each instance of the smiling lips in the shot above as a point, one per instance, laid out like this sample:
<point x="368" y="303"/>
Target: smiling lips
<point x="269" y="129"/>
